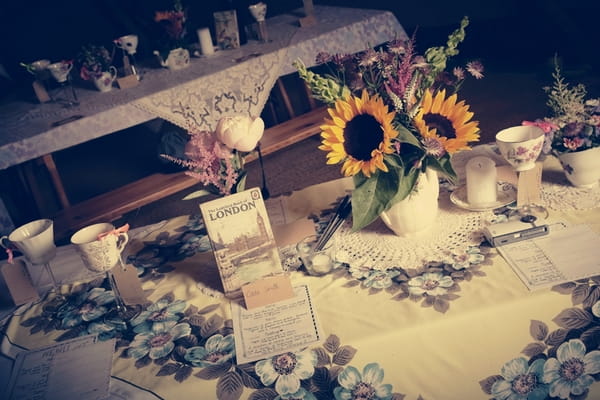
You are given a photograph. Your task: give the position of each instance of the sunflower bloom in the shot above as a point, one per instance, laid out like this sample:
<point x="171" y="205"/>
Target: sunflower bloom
<point x="358" y="133"/>
<point x="447" y="121"/>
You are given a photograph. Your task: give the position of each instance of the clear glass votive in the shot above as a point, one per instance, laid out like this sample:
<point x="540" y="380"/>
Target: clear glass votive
<point x="316" y="262"/>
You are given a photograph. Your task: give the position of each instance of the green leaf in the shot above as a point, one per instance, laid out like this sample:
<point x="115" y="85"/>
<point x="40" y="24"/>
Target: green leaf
<point x="372" y="196"/>
<point x="443" y="166"/>
<point x="406" y="136"/>
<point x="196" y="194"/>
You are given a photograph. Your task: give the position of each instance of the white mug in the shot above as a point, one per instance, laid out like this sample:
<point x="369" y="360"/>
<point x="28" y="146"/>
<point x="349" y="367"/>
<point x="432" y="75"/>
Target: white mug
<point x="34" y="239"/>
<point x="128" y="43"/>
<point x="100" y="246"/>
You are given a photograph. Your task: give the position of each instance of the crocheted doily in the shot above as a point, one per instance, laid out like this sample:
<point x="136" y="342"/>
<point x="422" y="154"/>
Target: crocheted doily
<point x="558" y="193"/>
<point x="377" y="247"/>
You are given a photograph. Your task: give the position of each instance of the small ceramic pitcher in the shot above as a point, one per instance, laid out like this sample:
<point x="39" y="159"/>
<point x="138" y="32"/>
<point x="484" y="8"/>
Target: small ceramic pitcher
<point x="105" y="81"/>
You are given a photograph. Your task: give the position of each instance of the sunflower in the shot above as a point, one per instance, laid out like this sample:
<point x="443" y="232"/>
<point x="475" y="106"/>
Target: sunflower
<point x="447" y="121"/>
<point x="358" y="133"/>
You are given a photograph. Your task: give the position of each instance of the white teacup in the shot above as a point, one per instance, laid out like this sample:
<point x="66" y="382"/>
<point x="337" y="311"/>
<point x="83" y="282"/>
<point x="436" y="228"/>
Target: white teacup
<point x="34" y="239"/>
<point x="60" y="70"/>
<point x="520" y="145"/>
<point x="99" y="253"/>
<point x="128" y="43"/>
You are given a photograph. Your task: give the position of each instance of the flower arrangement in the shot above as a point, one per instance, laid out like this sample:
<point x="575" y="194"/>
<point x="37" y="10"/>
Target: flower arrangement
<point x="172" y="23"/>
<point x="392" y="114"/>
<point x="93" y="61"/>
<point x="575" y="122"/>
<point x="216" y="158"/>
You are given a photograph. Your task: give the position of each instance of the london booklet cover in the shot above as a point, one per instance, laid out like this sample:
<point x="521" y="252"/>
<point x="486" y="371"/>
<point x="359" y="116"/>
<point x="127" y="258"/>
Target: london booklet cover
<point x="242" y="239"/>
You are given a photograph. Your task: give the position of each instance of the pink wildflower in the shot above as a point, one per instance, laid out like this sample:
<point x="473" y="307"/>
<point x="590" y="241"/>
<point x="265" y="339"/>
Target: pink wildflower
<point x="475" y="68"/>
<point x="546" y="126"/>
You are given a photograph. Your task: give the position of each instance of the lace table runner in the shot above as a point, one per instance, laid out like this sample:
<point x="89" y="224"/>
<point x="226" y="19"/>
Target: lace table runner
<point x="378" y="248"/>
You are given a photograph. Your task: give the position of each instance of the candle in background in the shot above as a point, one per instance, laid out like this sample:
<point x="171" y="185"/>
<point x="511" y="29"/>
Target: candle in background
<point x="206" y="43"/>
<point x="481" y="181"/>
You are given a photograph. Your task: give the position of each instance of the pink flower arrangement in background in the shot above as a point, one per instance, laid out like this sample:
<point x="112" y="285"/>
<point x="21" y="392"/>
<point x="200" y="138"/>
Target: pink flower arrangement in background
<point x="575" y="122"/>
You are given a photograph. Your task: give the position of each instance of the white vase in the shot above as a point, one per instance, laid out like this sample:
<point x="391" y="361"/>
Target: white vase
<point x="582" y="168"/>
<point x="415" y="214"/>
<point x="104" y="81"/>
<point x="177" y="59"/>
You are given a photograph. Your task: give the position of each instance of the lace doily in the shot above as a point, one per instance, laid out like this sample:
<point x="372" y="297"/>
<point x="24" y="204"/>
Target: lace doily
<point x="558" y="194"/>
<point x="377" y="247"/>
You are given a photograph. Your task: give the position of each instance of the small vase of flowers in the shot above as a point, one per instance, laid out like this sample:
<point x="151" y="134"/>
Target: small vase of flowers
<point x="572" y="132"/>
<point x="172" y="52"/>
<point x="394" y="115"/>
<point x="216" y="158"/>
<point x="95" y="65"/>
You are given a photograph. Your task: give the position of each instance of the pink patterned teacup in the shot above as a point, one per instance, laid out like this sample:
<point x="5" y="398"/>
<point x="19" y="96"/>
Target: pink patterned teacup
<point x="520" y="145"/>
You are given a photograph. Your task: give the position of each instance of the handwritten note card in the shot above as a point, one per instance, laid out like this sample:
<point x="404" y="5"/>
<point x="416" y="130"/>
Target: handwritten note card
<point x="288" y="325"/>
<point x="564" y="255"/>
<point x="74" y="369"/>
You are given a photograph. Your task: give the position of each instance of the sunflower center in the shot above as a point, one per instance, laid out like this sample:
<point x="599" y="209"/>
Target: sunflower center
<point x="362" y="135"/>
<point x="441" y="123"/>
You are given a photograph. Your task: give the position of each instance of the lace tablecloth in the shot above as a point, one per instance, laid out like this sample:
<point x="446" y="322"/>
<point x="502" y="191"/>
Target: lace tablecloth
<point x="231" y="81"/>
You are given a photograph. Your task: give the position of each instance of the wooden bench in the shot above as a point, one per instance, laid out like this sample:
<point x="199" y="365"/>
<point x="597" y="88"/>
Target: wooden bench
<point x="112" y="205"/>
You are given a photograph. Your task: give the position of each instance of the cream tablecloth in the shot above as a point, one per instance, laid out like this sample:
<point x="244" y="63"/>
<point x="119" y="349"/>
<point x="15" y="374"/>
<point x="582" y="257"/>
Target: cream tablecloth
<point x="442" y="331"/>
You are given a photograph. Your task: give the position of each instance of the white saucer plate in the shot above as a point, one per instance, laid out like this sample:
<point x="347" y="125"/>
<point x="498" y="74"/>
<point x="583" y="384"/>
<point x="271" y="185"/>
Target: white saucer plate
<point x="506" y="194"/>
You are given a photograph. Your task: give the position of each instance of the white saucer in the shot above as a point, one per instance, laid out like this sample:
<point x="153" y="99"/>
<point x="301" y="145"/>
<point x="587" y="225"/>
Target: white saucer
<point x="506" y="194"/>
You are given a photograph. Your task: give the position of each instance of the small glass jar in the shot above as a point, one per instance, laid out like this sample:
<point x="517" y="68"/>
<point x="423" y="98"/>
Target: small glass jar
<point x="316" y="262"/>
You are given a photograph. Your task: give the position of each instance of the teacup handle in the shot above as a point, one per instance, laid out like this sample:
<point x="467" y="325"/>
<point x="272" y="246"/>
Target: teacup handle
<point x="6" y="246"/>
<point x="122" y="239"/>
<point x="113" y="73"/>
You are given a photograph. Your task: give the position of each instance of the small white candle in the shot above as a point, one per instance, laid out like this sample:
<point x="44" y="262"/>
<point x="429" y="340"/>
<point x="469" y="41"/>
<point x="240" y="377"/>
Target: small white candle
<point x="481" y="181"/>
<point x="206" y="43"/>
<point x="321" y="263"/>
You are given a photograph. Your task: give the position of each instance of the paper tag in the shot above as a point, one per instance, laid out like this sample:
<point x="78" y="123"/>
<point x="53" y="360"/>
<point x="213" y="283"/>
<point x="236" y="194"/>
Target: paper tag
<point x="308" y="21"/>
<point x="293" y="232"/>
<point x="127" y="81"/>
<point x="267" y="291"/>
<point x="129" y="284"/>
<point x="530" y="186"/>
<point x="19" y="283"/>
<point x="40" y="92"/>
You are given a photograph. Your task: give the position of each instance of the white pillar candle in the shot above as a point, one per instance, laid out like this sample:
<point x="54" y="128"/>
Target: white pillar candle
<point x="481" y="181"/>
<point x="206" y="43"/>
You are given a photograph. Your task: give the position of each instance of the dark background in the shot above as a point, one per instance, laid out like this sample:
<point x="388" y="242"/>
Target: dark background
<point x="508" y="31"/>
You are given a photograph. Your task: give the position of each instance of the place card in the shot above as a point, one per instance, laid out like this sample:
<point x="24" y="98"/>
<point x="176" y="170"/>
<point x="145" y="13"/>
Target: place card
<point x="19" y="283"/>
<point x="288" y="325"/>
<point x="129" y="284"/>
<point x="268" y="290"/>
<point x="529" y="187"/>
<point x="128" y="81"/>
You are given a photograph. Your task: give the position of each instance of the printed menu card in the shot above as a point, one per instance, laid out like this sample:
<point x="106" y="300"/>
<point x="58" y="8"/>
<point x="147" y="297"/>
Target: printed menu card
<point x="74" y="369"/>
<point x="287" y="325"/>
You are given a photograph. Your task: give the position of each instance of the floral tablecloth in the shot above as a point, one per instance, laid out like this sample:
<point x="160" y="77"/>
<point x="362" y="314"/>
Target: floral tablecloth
<point x="463" y="328"/>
